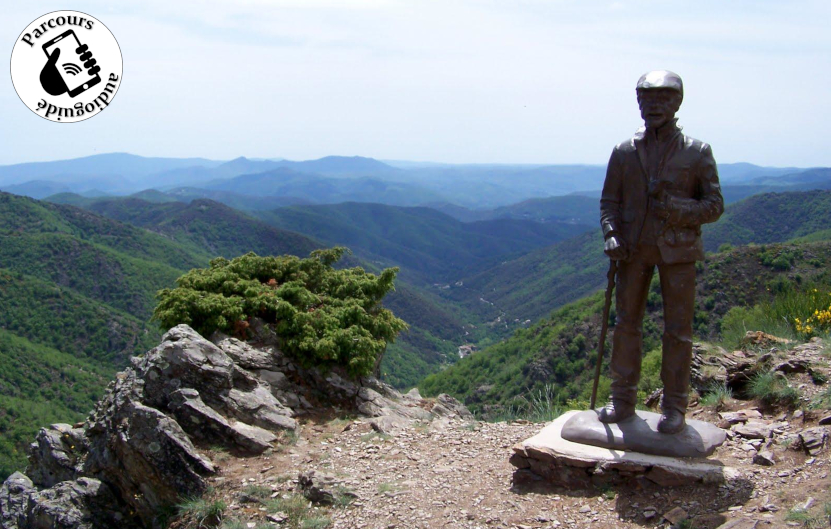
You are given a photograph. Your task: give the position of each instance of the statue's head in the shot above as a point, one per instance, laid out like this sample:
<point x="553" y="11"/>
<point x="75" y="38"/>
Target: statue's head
<point x="659" y="97"/>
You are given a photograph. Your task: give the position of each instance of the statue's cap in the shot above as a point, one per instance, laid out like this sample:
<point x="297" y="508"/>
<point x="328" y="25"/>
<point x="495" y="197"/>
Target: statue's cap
<point x="661" y="79"/>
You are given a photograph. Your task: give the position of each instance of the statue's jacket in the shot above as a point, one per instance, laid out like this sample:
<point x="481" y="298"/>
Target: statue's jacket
<point x="690" y="179"/>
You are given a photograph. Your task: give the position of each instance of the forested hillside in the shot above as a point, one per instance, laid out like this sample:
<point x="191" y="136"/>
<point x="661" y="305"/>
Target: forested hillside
<point x="212" y="229"/>
<point x="560" y="351"/>
<point x="772" y="217"/>
<point x="430" y="246"/>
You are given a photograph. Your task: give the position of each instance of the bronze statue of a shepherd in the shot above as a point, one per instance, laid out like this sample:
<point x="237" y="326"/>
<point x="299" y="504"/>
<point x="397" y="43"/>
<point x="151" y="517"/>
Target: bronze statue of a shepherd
<point x="661" y="186"/>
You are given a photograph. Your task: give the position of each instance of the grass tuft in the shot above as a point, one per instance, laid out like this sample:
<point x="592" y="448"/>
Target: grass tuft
<point x="822" y="401"/>
<point x="773" y="389"/>
<point x="205" y="513"/>
<point x="716" y="395"/>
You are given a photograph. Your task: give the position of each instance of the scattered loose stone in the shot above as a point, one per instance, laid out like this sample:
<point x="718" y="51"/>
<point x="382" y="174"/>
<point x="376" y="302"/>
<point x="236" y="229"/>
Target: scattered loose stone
<point x="765" y="458"/>
<point x="676" y="515"/>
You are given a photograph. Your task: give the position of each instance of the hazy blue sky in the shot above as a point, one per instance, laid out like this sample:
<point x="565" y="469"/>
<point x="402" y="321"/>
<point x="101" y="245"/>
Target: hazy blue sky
<point x="447" y="80"/>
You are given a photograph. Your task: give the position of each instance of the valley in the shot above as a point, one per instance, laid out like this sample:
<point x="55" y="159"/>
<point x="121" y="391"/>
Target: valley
<point x="514" y="282"/>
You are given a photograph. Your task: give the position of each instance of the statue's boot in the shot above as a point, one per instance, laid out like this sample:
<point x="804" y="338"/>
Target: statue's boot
<point x="616" y="411"/>
<point x="673" y="409"/>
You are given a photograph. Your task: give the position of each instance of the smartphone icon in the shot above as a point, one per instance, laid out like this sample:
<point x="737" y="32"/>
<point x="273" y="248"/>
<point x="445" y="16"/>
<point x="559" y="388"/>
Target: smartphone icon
<point x="70" y="64"/>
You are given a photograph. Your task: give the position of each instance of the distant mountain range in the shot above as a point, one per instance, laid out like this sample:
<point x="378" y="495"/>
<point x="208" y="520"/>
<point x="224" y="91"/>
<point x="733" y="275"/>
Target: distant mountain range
<point x="334" y="179"/>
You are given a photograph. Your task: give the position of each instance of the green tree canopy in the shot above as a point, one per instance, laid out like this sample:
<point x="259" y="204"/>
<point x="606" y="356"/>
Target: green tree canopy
<point x="324" y="317"/>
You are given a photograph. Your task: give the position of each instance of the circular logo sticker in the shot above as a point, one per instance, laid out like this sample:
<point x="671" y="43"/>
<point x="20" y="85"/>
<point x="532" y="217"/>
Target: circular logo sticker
<point x="66" y="66"/>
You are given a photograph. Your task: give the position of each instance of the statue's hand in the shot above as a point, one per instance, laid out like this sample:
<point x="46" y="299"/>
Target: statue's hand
<point x="615" y="248"/>
<point x="671" y="210"/>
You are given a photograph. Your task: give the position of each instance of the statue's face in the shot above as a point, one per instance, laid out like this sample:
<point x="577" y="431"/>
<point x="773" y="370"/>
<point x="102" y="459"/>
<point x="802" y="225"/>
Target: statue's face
<point x="658" y="106"/>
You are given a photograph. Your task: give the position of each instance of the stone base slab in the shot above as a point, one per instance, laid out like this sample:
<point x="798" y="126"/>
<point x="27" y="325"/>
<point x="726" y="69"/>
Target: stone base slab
<point x="639" y="433"/>
<point x="573" y="465"/>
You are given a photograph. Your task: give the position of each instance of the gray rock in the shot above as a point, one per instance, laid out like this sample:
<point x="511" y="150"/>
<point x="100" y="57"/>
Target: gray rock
<point x="276" y="379"/>
<point x="246" y="356"/>
<point x="141" y="452"/>
<point x="85" y="503"/>
<point x="654" y="398"/>
<point x="793" y="365"/>
<point x="380" y="387"/>
<point x="56" y="454"/>
<point x="288" y="399"/>
<point x="205" y="424"/>
<point x="754" y="429"/>
<point x="390" y="424"/>
<point x="263" y="333"/>
<point x="317" y="487"/>
<point x="765" y="458"/>
<point x="640" y="434"/>
<point x="185" y="360"/>
<point x="450" y="407"/>
<point x="14" y="497"/>
<point x="813" y="440"/>
<point x="413" y="395"/>
<point x="741" y="416"/>
<point x="260" y="408"/>
<point x="252" y="439"/>
<point x="340" y="386"/>
<point x="676" y="515"/>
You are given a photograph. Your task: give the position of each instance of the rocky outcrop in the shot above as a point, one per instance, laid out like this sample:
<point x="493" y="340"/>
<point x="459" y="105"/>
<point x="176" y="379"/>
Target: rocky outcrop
<point x="56" y="454"/>
<point x="137" y="453"/>
<point x="141" y="452"/>
<point x="735" y="369"/>
<point x="14" y="497"/>
<point x="84" y="503"/>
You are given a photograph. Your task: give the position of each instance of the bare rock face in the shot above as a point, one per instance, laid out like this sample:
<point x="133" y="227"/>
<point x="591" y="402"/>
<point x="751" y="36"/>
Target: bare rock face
<point x="447" y="406"/>
<point x="186" y="360"/>
<point x="14" y="497"/>
<point x="142" y="453"/>
<point x="205" y="424"/>
<point x="813" y="440"/>
<point x="85" y="503"/>
<point x="56" y="453"/>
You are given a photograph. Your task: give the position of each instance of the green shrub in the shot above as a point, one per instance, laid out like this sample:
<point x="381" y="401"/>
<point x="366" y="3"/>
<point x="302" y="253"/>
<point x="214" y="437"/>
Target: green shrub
<point x="726" y="247"/>
<point x="323" y="316"/>
<point x="794" y="312"/>
<point x="773" y="388"/>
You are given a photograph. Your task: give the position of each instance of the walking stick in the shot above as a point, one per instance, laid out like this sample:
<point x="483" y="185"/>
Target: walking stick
<point x="604" y="328"/>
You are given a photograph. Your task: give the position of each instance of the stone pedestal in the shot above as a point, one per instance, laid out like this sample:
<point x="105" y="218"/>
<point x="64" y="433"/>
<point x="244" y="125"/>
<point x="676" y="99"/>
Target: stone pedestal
<point x="639" y="433"/>
<point x="575" y="465"/>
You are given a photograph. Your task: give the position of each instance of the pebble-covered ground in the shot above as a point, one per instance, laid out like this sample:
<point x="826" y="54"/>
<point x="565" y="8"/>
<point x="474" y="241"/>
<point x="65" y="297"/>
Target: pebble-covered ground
<point x="458" y="475"/>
